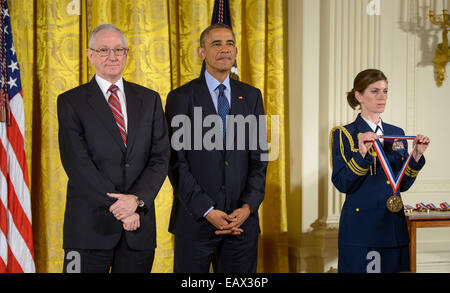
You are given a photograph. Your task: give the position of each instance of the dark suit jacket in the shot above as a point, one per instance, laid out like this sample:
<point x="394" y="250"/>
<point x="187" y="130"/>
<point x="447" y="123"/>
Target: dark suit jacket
<point x="205" y="178"/>
<point x="97" y="162"/>
<point x="365" y="219"/>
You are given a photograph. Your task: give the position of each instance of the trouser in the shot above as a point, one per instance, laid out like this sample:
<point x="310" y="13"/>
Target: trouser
<point x="120" y="259"/>
<point x="227" y="254"/>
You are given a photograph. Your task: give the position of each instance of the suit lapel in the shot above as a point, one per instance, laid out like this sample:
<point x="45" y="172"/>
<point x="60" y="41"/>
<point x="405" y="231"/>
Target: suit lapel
<point x="202" y="97"/>
<point x="134" y="105"/>
<point x="362" y="125"/>
<point x="98" y="103"/>
<point x="237" y="107"/>
<point x="237" y="99"/>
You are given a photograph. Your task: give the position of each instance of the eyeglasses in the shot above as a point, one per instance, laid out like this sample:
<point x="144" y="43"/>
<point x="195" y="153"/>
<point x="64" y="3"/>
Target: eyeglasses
<point x="103" y="52"/>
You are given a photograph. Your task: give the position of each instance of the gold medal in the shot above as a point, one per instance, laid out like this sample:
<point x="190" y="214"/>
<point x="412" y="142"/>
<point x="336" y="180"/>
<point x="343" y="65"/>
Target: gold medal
<point x="394" y="204"/>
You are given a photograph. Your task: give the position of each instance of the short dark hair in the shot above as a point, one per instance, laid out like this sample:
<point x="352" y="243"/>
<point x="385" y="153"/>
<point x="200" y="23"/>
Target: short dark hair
<point x="212" y="27"/>
<point x="361" y="82"/>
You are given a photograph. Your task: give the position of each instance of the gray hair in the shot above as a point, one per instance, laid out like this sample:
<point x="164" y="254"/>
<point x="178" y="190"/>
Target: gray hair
<point x="108" y="27"/>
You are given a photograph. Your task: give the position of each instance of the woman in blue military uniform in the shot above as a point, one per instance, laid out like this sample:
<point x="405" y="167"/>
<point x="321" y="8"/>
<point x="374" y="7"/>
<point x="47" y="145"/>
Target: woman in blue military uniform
<point x="371" y="237"/>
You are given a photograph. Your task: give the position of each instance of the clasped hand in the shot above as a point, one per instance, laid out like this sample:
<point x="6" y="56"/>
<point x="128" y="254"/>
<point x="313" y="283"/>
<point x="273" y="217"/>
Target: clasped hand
<point x="229" y="224"/>
<point x="124" y="209"/>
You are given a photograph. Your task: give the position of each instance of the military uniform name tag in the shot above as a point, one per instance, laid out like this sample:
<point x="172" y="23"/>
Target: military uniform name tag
<point x="394" y="203"/>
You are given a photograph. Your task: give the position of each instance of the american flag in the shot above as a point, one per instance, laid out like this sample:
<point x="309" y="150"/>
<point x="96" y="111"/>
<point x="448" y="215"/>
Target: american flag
<point x="16" y="236"/>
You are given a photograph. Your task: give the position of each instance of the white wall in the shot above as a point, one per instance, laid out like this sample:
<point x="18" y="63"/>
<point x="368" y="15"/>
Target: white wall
<point x="330" y="41"/>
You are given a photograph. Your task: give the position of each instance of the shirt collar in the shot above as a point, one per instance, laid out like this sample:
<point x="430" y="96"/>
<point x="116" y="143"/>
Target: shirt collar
<point x="372" y="125"/>
<point x="213" y="83"/>
<point x="105" y="85"/>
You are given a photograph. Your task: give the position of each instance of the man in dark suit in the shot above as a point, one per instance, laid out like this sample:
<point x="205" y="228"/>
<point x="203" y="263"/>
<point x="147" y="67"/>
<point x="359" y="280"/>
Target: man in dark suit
<point x="217" y="192"/>
<point x="115" y="150"/>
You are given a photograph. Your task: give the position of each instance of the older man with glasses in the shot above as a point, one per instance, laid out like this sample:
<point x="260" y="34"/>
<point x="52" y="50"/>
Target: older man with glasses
<point x="115" y="150"/>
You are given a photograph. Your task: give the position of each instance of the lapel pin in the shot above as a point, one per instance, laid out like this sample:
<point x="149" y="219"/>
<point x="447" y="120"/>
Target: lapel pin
<point x="240" y="97"/>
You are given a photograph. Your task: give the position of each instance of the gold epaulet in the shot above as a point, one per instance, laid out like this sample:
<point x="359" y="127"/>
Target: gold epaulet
<point x="341" y="144"/>
<point x="355" y="168"/>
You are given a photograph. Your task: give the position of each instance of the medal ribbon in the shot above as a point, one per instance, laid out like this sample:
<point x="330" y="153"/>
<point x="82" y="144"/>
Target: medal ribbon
<point x="421" y="206"/>
<point x="431" y="206"/>
<point x="394" y="181"/>
<point x="444" y="205"/>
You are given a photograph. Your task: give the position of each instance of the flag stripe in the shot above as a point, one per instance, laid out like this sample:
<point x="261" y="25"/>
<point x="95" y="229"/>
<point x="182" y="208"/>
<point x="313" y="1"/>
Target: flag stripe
<point x="13" y="265"/>
<point x="18" y="216"/>
<point x="18" y="146"/>
<point x="3" y="218"/>
<point x="2" y="264"/>
<point x="3" y="212"/>
<point x="16" y="175"/>
<point x="20" y="250"/>
<point x="17" y="111"/>
<point x="3" y="233"/>
<point x="20" y="245"/>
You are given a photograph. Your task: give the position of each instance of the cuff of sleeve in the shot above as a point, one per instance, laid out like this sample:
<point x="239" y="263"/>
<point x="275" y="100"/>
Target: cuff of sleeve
<point x="253" y="200"/>
<point x="207" y="212"/>
<point x="197" y="209"/>
<point x="359" y="165"/>
<point x="414" y="167"/>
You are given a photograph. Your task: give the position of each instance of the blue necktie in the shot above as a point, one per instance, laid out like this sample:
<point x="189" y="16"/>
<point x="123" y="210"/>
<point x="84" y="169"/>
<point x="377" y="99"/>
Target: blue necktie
<point x="379" y="128"/>
<point x="223" y="108"/>
<point x="382" y="133"/>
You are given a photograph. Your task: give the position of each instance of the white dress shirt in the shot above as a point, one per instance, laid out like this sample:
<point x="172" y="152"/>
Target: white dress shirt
<point x="213" y="83"/>
<point x="374" y="126"/>
<point x="105" y="85"/>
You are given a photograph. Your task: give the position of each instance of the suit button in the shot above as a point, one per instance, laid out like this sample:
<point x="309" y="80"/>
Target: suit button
<point x="222" y="187"/>
<point x="357" y="209"/>
<point x="127" y="165"/>
<point x="226" y="163"/>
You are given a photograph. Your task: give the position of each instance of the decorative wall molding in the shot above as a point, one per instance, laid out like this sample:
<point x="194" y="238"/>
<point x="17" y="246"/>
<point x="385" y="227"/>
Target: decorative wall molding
<point x="353" y="42"/>
<point x="431" y="186"/>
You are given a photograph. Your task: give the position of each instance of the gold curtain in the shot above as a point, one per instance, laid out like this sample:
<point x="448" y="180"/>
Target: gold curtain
<point x="50" y="39"/>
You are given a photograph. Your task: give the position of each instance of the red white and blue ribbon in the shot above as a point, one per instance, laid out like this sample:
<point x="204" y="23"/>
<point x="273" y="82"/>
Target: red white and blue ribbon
<point x="422" y="206"/>
<point x="444" y="205"/>
<point x="408" y="207"/>
<point x="397" y="137"/>
<point x="394" y="181"/>
<point x="431" y="206"/>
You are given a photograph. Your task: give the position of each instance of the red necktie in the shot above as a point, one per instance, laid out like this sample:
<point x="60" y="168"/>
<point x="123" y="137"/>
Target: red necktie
<point x="116" y="109"/>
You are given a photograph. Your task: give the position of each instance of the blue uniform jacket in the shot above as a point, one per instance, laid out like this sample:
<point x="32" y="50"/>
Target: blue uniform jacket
<point x="365" y="219"/>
